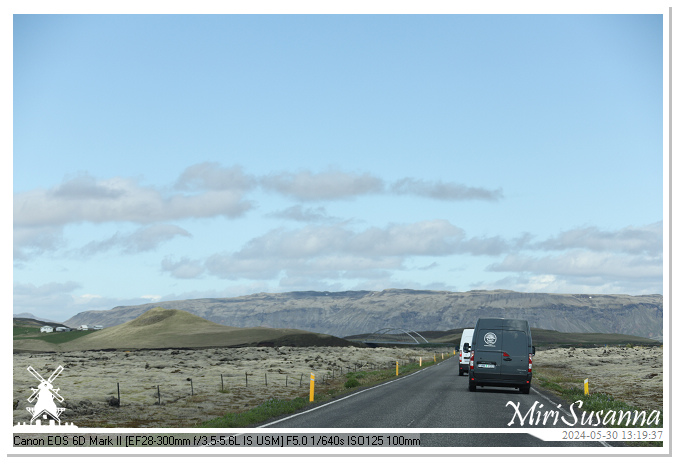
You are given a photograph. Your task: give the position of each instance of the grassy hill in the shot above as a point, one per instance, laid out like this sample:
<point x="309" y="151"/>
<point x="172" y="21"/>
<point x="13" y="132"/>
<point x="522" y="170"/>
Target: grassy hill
<point x="160" y="328"/>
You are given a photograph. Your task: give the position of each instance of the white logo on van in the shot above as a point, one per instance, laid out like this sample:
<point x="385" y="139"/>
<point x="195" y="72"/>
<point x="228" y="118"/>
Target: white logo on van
<point x="490" y="338"/>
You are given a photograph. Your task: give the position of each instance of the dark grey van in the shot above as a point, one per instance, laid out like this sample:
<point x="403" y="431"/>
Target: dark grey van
<point x="501" y="354"/>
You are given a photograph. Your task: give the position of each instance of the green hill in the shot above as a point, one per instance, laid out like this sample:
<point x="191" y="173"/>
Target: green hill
<point x="160" y="328"/>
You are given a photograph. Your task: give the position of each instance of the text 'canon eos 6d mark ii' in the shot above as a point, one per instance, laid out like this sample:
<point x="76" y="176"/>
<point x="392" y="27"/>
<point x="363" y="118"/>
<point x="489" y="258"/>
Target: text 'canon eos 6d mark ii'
<point x="501" y="354"/>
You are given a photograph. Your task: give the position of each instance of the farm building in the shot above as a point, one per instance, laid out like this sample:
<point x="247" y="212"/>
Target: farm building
<point x="47" y="328"/>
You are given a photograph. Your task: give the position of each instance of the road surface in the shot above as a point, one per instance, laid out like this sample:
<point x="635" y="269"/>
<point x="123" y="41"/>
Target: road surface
<point x="438" y="398"/>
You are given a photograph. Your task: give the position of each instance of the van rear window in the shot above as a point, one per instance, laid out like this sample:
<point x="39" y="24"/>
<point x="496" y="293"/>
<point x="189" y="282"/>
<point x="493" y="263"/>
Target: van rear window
<point x="514" y="342"/>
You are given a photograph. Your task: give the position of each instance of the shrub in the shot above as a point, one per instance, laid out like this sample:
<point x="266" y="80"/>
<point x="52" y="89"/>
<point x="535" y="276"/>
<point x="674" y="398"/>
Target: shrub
<point x="351" y="383"/>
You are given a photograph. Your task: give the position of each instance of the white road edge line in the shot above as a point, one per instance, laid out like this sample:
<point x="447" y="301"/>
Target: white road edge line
<point x="345" y="397"/>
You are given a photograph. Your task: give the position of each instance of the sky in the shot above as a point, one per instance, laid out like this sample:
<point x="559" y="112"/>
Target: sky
<point x="160" y="157"/>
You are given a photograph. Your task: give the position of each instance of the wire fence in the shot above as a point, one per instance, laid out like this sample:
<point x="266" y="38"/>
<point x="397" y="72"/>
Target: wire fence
<point x="171" y="390"/>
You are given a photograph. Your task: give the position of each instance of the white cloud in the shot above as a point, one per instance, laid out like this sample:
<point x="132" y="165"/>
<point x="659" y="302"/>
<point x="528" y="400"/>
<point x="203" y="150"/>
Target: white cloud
<point x="185" y="268"/>
<point x="632" y="240"/>
<point x="215" y="191"/>
<point x="448" y="191"/>
<point x="335" y="184"/>
<point x="33" y="241"/>
<point x="301" y="214"/>
<point x="330" y="185"/>
<point x="143" y="239"/>
<point x="583" y="263"/>
<point x="57" y="301"/>
<point x="84" y="199"/>
<point x="212" y="176"/>
<point x="85" y="298"/>
<point x="582" y="272"/>
<point x="339" y="251"/>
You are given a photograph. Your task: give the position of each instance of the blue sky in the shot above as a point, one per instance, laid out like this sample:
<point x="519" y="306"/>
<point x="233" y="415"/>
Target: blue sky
<point x="172" y="157"/>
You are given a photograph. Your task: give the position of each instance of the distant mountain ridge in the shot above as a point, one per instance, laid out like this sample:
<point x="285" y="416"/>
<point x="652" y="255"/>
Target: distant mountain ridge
<point x="31" y="316"/>
<point x="354" y="312"/>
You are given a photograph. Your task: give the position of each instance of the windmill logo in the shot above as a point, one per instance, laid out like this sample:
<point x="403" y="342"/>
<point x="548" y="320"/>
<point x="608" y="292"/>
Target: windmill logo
<point x="45" y="409"/>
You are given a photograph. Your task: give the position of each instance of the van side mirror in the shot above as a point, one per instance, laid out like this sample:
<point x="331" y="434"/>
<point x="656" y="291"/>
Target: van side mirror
<point x="533" y="353"/>
<point x="466" y="347"/>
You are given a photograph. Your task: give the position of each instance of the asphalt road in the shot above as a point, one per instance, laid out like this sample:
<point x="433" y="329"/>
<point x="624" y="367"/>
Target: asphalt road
<point x="435" y="397"/>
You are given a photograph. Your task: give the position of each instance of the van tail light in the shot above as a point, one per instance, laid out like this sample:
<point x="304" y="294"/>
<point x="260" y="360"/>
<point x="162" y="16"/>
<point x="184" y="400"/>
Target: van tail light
<point x="460" y="356"/>
<point x="471" y="360"/>
<point x="530" y="362"/>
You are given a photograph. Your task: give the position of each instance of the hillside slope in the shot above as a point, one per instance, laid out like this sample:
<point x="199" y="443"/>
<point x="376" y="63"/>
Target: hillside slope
<point x="173" y="328"/>
<point x="348" y="313"/>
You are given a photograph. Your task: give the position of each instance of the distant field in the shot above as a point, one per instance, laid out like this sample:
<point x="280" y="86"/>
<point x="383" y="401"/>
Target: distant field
<point x="541" y="337"/>
<point x="25" y="330"/>
<point x="33" y="333"/>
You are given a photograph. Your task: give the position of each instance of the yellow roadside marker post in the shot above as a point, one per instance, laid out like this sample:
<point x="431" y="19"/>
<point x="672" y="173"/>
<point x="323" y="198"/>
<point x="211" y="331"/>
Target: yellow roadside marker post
<point x="586" y="386"/>
<point x="311" y="388"/>
<point x="396" y="368"/>
<point x="420" y="361"/>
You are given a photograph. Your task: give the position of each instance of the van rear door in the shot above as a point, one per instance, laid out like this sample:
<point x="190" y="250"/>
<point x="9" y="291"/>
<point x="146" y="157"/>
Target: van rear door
<point x="488" y="353"/>
<point x="514" y="356"/>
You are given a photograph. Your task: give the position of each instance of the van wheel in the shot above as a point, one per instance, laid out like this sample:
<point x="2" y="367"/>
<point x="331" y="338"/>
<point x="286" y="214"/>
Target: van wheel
<point x="472" y="387"/>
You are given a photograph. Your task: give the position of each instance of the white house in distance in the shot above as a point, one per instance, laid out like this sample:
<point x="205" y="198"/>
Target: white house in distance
<point x="46" y="329"/>
<point x="83" y="327"/>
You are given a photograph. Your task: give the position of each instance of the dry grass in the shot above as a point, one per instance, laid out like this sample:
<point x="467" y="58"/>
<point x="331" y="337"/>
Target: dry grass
<point x="633" y="375"/>
<point x="90" y="379"/>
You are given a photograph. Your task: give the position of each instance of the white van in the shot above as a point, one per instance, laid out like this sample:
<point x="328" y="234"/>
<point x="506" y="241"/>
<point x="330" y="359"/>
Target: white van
<point x="467" y="336"/>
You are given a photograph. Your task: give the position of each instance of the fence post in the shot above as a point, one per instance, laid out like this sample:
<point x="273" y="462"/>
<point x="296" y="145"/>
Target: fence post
<point x="158" y="395"/>
<point x="222" y="381"/>
<point x="118" y="394"/>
